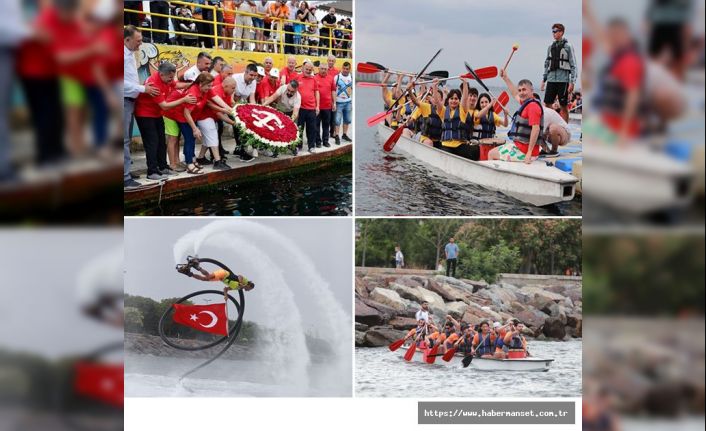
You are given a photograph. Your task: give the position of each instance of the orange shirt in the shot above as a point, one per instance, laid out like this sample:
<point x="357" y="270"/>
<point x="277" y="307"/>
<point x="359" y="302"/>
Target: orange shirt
<point x="278" y="10"/>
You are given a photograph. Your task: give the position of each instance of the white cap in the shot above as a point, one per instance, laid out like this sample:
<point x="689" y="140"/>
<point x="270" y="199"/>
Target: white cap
<point x="496" y="325"/>
<point x="306" y="60"/>
<point x="274" y="72"/>
<point x="260" y="70"/>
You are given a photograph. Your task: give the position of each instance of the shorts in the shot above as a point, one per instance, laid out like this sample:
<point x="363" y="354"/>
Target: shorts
<point x="669" y="37"/>
<point x="171" y="127"/>
<point x="72" y="92"/>
<point x="344" y="113"/>
<point x="510" y="153"/>
<point x="258" y="23"/>
<point x="209" y="130"/>
<point x="557" y="89"/>
<point x="565" y="135"/>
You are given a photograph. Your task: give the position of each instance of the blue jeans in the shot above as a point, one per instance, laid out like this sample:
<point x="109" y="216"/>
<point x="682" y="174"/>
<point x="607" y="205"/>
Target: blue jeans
<point x="99" y="115"/>
<point x="258" y="22"/>
<point x="128" y="110"/>
<point x="344" y="113"/>
<point x="308" y="119"/>
<point x="189" y="142"/>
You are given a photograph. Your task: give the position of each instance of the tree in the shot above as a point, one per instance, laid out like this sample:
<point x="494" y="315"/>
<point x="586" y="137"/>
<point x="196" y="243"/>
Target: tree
<point x="436" y="232"/>
<point x="133" y="320"/>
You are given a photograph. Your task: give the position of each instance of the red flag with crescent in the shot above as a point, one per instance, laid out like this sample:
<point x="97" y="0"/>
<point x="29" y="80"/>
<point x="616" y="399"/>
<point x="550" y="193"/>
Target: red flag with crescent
<point x="210" y="318"/>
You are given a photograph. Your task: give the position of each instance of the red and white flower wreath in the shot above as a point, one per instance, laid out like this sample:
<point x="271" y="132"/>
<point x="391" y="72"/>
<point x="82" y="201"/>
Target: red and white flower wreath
<point x="264" y="127"/>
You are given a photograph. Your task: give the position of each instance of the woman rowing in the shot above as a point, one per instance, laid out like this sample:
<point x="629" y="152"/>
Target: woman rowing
<point x="388" y="98"/>
<point x="485" y="120"/>
<point x="454" y="134"/>
<point x="427" y="123"/>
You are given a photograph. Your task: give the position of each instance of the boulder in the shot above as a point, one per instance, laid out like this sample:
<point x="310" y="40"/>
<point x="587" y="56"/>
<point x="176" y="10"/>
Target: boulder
<point x="500" y="297"/>
<point x="448" y="292"/>
<point x="554" y="328"/>
<point x="387" y="312"/>
<point x="456" y="309"/>
<point x="476" y="284"/>
<point x="557" y="311"/>
<point x="576" y="294"/>
<point x="389" y="298"/>
<point x="410" y="281"/>
<point x="359" y="338"/>
<point x="532" y="318"/>
<point x="382" y="336"/>
<point x="367" y="315"/>
<point x="419" y="295"/>
<point x="402" y="323"/>
<point x="534" y="291"/>
<point x="516" y="307"/>
<point x="361" y="326"/>
<point x="360" y="288"/>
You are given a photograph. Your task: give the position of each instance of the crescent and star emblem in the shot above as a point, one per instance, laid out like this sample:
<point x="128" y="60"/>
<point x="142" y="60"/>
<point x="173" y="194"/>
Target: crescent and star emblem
<point x="214" y="319"/>
<point x="264" y="118"/>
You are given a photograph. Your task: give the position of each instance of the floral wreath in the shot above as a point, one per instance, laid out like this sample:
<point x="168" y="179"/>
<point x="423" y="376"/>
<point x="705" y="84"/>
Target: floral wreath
<point x="266" y="128"/>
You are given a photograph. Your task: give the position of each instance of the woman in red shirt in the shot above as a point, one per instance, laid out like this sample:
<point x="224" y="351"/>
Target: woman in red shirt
<point x="148" y="114"/>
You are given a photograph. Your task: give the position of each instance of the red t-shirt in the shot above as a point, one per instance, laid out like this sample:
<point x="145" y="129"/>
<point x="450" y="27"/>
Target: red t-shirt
<point x="113" y="60"/>
<point x="333" y="71"/>
<point x="35" y="59"/>
<point x="289" y="76"/>
<point x="148" y="106"/>
<point x="68" y="36"/>
<point x="217" y="81"/>
<point x="177" y="113"/>
<point x="629" y="70"/>
<point x="326" y="85"/>
<point x="265" y="89"/>
<point x="218" y="91"/>
<point x="308" y="86"/>
<point x="533" y="114"/>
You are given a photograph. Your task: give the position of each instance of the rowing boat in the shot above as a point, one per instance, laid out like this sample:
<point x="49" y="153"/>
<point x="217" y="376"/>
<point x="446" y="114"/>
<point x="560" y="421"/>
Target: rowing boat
<point x="487" y="364"/>
<point x="535" y="183"/>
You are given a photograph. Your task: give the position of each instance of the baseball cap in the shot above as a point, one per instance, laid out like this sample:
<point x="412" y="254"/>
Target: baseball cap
<point x="260" y="70"/>
<point x="274" y="72"/>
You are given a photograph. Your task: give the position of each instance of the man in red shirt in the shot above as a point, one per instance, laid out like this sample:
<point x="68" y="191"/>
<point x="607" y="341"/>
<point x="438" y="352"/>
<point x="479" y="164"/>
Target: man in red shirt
<point x="267" y="86"/>
<point x="327" y="105"/>
<point x="331" y="61"/>
<point x="309" y="111"/>
<point x="290" y="72"/>
<point x="148" y="114"/>
<point x="527" y="128"/>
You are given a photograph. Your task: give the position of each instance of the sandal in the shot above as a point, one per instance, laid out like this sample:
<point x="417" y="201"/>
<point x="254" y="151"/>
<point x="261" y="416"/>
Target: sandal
<point x="195" y="170"/>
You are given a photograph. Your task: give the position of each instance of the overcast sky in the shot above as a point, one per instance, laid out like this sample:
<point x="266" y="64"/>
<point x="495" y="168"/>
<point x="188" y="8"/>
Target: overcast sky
<point x="149" y="245"/>
<point x="404" y="34"/>
<point x="39" y="311"/>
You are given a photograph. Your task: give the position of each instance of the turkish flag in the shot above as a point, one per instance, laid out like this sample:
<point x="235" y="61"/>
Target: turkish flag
<point x="102" y="382"/>
<point x="207" y="318"/>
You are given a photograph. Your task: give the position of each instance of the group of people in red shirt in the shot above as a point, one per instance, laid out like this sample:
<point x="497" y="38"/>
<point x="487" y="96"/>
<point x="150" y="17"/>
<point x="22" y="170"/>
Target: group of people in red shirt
<point x="198" y="103"/>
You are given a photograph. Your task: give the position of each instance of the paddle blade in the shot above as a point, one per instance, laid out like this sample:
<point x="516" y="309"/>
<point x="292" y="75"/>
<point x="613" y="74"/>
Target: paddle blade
<point x="410" y="352"/>
<point x="466" y="361"/>
<point x="396" y="344"/>
<point x="439" y="74"/>
<point x="378" y="65"/>
<point x="377" y="118"/>
<point x="367" y="68"/>
<point x="369" y="84"/>
<point x="431" y="356"/>
<point x="449" y="355"/>
<point x="502" y="101"/>
<point x="486" y="72"/>
<point x="392" y="140"/>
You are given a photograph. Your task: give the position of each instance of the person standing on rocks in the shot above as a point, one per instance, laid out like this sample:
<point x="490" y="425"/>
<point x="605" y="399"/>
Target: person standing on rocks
<point x="451" y="251"/>
<point x="399" y="257"/>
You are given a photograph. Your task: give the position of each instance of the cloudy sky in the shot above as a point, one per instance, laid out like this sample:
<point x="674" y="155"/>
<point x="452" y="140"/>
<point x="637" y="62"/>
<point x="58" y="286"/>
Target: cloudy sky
<point x="404" y="34"/>
<point x="149" y="259"/>
<point x="39" y="311"/>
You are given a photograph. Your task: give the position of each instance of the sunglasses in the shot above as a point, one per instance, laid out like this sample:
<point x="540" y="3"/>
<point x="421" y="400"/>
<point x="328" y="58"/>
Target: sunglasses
<point x="556" y="31"/>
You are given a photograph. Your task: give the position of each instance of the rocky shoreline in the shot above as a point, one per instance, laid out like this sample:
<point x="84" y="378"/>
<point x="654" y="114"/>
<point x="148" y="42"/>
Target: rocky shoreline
<point x="143" y="344"/>
<point x="385" y="304"/>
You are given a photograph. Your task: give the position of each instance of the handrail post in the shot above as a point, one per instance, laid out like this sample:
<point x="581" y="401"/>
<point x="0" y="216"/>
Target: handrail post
<point x="215" y="27"/>
<point x="281" y="36"/>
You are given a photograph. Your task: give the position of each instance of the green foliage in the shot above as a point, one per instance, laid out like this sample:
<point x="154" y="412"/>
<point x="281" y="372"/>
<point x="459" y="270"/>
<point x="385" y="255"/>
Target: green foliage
<point x="487" y="246"/>
<point x="133" y="320"/>
<point x="657" y="274"/>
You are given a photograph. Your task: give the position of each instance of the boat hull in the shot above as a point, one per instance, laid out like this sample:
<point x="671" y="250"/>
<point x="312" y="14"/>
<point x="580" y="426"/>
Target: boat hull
<point x="486" y="364"/>
<point x="536" y="183"/>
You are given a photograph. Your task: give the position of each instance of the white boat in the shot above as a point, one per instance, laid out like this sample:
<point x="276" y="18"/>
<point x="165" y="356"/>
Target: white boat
<point x="636" y="179"/>
<point x="485" y="364"/>
<point x="575" y="117"/>
<point x="535" y="183"/>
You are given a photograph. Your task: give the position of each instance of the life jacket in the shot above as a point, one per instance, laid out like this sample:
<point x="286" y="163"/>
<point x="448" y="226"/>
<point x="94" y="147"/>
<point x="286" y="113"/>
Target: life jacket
<point x="559" y="56"/>
<point x="486" y="128"/>
<point x="433" y="126"/>
<point x="520" y="129"/>
<point x="499" y="343"/>
<point x="516" y="342"/>
<point x="466" y="344"/>
<point x="470" y="132"/>
<point x="453" y="129"/>
<point x="486" y="345"/>
<point x="611" y="95"/>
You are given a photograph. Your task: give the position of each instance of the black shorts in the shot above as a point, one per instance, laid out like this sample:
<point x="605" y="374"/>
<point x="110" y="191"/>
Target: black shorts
<point x="554" y="89"/>
<point x="667" y="36"/>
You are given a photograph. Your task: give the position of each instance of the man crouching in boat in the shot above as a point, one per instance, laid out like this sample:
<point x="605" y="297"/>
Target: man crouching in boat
<point x="484" y="341"/>
<point x="231" y="281"/>
<point x="516" y="342"/>
<point x="527" y="127"/>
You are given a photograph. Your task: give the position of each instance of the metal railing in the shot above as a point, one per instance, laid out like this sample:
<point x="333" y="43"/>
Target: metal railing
<point x="216" y="25"/>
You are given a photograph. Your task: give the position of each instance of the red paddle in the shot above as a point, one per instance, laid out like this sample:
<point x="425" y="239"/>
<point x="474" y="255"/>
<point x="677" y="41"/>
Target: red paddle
<point x="369" y="84"/>
<point x="431" y="356"/>
<point x="392" y="140"/>
<point x="367" y="68"/>
<point x="396" y="344"/>
<point x="449" y="354"/>
<point x="501" y="102"/>
<point x="410" y="352"/>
